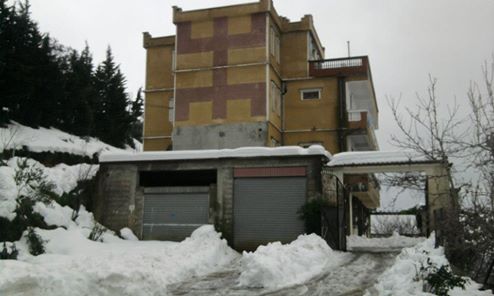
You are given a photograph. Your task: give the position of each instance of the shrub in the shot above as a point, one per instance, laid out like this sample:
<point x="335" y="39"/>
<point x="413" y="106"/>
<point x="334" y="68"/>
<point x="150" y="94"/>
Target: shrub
<point x="6" y="254"/>
<point x="35" y="243"/>
<point x="310" y="212"/>
<point x="97" y="232"/>
<point x="440" y="280"/>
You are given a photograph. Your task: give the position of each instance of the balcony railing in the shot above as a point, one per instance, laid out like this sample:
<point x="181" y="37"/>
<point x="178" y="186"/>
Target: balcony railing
<point x="339" y="67"/>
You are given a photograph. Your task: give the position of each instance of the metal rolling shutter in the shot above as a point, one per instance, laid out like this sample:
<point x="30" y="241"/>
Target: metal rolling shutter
<point x="265" y="210"/>
<point x="173" y="213"/>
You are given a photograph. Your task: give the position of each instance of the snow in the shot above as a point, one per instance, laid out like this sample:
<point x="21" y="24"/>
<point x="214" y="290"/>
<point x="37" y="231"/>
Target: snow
<point x="215" y="153"/>
<point x="127" y="234"/>
<point x="8" y="193"/>
<point x="74" y="265"/>
<point x="392" y="242"/>
<point x="402" y="277"/>
<point x="62" y="176"/>
<point x="275" y="265"/>
<point x="17" y="136"/>
<point x="376" y="157"/>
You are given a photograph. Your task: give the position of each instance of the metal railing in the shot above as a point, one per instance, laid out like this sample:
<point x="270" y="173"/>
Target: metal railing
<point x="338" y="63"/>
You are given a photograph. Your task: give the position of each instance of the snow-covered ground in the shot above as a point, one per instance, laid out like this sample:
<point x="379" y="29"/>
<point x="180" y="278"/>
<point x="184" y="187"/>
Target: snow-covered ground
<point x="17" y="136"/>
<point x="74" y="265"/>
<point x="395" y="241"/>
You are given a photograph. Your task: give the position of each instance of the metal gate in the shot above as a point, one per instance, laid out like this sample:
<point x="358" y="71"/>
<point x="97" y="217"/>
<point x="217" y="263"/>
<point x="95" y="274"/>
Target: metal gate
<point x="334" y="220"/>
<point x="265" y="210"/>
<point x="173" y="213"/>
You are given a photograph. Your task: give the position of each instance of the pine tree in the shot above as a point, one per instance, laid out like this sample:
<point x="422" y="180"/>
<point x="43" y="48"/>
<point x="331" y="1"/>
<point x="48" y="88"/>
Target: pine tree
<point x="112" y="119"/>
<point x="80" y="100"/>
<point x="136" y="113"/>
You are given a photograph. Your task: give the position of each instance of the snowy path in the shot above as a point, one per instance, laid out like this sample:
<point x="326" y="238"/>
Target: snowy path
<point x="358" y="273"/>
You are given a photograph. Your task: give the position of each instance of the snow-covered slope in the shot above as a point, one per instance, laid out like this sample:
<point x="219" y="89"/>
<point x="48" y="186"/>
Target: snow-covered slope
<point x="17" y="136"/>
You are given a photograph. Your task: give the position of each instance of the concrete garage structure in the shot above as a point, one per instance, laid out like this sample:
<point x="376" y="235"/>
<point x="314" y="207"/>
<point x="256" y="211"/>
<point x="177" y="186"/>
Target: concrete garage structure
<point x="250" y="194"/>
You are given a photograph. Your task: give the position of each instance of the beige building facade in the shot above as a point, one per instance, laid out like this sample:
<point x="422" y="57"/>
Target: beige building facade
<point x="242" y="75"/>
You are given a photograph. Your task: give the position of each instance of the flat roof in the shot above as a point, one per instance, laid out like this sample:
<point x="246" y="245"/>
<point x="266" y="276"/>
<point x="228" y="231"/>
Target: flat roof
<point x="243" y="152"/>
<point x="361" y="158"/>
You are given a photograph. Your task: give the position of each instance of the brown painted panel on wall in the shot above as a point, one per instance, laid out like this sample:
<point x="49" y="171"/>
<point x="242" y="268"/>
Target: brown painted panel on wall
<point x="269" y="172"/>
<point x="219" y="94"/>
<point x="220" y="91"/>
<point x="220" y="42"/>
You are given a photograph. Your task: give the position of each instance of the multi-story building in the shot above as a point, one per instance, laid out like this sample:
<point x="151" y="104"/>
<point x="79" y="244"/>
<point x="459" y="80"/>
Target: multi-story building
<point x="242" y="75"/>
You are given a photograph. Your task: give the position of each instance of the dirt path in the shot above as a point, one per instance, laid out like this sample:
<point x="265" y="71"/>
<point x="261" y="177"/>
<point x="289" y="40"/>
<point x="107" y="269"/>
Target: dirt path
<point x="351" y="278"/>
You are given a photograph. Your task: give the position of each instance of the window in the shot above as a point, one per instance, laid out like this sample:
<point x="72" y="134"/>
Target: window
<point x="313" y="50"/>
<point x="275" y="98"/>
<point x="310" y="94"/>
<point x="171" y="109"/>
<point x="274" y="44"/>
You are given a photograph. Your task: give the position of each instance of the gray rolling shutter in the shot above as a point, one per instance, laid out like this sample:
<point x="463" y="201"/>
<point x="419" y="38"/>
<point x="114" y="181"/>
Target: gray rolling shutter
<point x="173" y="213"/>
<point x="265" y="210"/>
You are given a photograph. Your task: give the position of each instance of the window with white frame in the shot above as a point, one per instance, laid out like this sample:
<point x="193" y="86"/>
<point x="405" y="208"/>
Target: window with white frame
<point x="171" y="110"/>
<point x="274" y="44"/>
<point x="275" y="98"/>
<point x="310" y="94"/>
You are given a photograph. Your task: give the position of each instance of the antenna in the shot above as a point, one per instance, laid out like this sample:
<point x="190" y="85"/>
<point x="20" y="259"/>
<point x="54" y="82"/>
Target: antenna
<point x="348" y="47"/>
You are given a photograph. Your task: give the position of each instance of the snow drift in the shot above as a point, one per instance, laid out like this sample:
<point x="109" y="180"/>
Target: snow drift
<point x="276" y="265"/>
<point x="74" y="265"/>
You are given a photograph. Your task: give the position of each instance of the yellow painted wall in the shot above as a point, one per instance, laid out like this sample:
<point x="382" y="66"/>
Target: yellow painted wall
<point x="246" y="55"/>
<point x="274" y="133"/>
<point x="157" y="123"/>
<point x="307" y="114"/>
<point x="159" y="67"/>
<point x="239" y="24"/>
<point x="294" y="62"/>
<point x="202" y="29"/>
<point x="274" y="118"/>
<point x="249" y="74"/>
<point x="194" y="79"/>
<point x="195" y="60"/>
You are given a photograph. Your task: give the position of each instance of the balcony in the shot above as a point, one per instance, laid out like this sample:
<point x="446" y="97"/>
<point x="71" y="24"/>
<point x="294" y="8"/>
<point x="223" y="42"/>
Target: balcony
<point x="339" y="67"/>
<point x="359" y="119"/>
<point x="362" y="136"/>
<point x="365" y="188"/>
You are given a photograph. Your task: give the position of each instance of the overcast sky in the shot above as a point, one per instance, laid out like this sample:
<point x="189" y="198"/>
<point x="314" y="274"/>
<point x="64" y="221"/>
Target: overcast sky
<point x="405" y="40"/>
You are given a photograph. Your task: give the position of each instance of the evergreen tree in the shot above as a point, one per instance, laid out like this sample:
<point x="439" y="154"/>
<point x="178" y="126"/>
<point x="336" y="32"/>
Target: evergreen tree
<point x="80" y="94"/>
<point x="136" y="113"/>
<point x="112" y="119"/>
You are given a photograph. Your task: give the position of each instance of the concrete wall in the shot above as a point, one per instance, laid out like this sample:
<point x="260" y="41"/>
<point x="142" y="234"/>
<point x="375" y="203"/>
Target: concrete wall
<point x="219" y="136"/>
<point x="119" y="201"/>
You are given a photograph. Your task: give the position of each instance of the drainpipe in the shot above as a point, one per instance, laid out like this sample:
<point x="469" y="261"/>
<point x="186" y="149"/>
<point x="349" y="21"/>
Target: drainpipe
<point x="284" y="90"/>
<point x="342" y="116"/>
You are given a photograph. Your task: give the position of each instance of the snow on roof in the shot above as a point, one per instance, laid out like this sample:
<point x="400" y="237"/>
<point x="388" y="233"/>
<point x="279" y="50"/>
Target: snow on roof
<point x="215" y="154"/>
<point x="376" y="157"/>
<point x="16" y="136"/>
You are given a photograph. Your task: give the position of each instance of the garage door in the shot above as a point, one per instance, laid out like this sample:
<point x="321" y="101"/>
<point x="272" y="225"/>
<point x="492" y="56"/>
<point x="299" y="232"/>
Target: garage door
<point x="173" y="213"/>
<point x="265" y="210"/>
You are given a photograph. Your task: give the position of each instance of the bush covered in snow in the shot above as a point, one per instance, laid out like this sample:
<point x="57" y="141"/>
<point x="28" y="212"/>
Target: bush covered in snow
<point x="423" y="270"/>
<point x="34" y="196"/>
